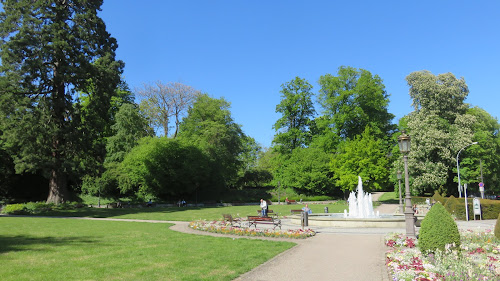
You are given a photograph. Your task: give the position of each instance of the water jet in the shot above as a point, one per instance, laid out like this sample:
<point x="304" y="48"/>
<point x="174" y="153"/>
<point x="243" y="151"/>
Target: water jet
<point x="360" y="214"/>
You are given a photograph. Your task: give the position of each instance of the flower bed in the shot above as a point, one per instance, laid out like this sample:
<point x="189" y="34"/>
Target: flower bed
<point x="477" y="259"/>
<point x="226" y="228"/>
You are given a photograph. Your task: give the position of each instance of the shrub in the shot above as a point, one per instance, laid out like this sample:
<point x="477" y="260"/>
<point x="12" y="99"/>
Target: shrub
<point x="451" y="205"/>
<point x="497" y="227"/>
<point x="14" y="209"/>
<point x="438" y="229"/>
<point x="438" y="197"/>
<point x="490" y="209"/>
<point x="68" y="206"/>
<point x="37" y="207"/>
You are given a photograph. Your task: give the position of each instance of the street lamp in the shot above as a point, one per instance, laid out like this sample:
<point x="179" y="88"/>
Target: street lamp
<point x="401" y="210"/>
<point x="458" y="169"/>
<point x="404" y="148"/>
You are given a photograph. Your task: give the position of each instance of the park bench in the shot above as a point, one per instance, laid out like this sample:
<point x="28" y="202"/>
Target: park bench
<point x="254" y="220"/>
<point x="268" y="212"/>
<point x="293" y="212"/>
<point x="291" y="202"/>
<point x="236" y="222"/>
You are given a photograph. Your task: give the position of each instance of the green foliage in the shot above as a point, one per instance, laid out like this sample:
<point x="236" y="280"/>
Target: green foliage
<point x="438" y="229"/>
<point x="6" y="172"/>
<point x="252" y="172"/>
<point x="364" y="156"/>
<point x="482" y="159"/>
<point x="439" y="128"/>
<point x="165" y="167"/>
<point x="451" y="205"/>
<point x="37" y="207"/>
<point x="34" y="208"/>
<point x="306" y="170"/>
<point x="353" y="100"/>
<point x="130" y="126"/>
<point x="489" y="209"/>
<point x="438" y="197"/>
<point x="297" y="109"/>
<point x="497" y="227"/>
<point x="210" y="127"/>
<point x="443" y="94"/>
<point x="14" y="209"/>
<point x="50" y="51"/>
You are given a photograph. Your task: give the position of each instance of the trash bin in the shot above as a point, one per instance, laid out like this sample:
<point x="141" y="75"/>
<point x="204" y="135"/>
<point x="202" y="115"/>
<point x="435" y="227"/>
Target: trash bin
<point x="326" y="210"/>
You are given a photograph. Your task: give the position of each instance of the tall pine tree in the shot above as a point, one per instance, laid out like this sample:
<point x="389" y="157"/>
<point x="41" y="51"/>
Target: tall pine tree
<point x="50" y="51"/>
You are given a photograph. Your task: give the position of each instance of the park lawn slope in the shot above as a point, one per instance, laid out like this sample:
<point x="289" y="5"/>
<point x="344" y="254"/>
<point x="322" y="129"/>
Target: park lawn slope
<point x="72" y="249"/>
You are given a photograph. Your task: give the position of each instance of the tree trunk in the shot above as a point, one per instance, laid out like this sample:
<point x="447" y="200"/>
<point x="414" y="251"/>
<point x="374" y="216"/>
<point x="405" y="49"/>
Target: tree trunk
<point x="58" y="191"/>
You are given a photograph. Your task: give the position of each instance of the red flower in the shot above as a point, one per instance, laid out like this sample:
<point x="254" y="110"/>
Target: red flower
<point x="391" y="243"/>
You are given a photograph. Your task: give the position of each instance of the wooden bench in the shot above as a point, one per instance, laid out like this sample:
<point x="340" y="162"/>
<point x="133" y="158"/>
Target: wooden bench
<point x="236" y="222"/>
<point x="293" y="212"/>
<point x="254" y="220"/>
<point x="291" y="202"/>
<point x="268" y="212"/>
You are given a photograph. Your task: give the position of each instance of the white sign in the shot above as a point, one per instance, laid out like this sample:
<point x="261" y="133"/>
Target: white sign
<point x="476" y="205"/>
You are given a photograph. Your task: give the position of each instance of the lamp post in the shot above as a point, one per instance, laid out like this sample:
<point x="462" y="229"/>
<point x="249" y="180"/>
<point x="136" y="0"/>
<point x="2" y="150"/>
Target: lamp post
<point x="404" y="148"/>
<point x="401" y="209"/>
<point x="458" y="169"/>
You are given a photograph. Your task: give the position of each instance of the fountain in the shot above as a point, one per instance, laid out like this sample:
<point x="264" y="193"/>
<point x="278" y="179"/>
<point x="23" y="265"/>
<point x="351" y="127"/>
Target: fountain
<point x="360" y="214"/>
<point x="362" y="205"/>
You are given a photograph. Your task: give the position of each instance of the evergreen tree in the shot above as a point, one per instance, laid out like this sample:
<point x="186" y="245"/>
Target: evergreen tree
<point x="51" y="50"/>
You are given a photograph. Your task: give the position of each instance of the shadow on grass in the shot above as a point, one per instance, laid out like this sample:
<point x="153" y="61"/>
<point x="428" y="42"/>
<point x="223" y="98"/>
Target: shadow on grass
<point x="113" y="212"/>
<point x="30" y="243"/>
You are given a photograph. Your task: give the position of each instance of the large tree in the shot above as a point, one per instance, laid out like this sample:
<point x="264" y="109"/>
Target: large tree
<point x="306" y="170"/>
<point x="439" y="128"/>
<point x="165" y="168"/>
<point x="210" y="127"/>
<point x="296" y="107"/>
<point x="51" y="50"/>
<point x="98" y="110"/>
<point x="363" y="156"/>
<point x="129" y="128"/>
<point x="161" y="102"/>
<point x="353" y="99"/>
<point x="482" y="162"/>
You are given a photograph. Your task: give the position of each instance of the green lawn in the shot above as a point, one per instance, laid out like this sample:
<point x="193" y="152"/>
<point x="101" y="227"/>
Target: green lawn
<point x="70" y="249"/>
<point x="191" y="213"/>
<point x="389" y="198"/>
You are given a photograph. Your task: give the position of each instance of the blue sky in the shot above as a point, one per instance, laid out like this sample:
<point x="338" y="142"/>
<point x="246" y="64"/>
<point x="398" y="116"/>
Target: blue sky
<point x="245" y="50"/>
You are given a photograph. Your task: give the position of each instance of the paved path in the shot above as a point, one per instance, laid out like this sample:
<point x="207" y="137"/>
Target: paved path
<point x="356" y="254"/>
<point x="327" y="257"/>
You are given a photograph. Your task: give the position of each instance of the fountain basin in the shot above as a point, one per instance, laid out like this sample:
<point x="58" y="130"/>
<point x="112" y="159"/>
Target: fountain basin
<point x="338" y="220"/>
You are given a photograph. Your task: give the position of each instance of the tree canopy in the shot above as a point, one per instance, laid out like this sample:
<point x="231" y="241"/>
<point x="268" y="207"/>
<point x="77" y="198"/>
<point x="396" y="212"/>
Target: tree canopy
<point x="297" y="111"/>
<point x="49" y="52"/>
<point x="210" y="127"/>
<point x="354" y="99"/>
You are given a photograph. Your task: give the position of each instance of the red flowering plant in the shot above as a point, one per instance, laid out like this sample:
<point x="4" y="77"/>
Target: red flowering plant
<point x="478" y="258"/>
<point x="226" y="228"/>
